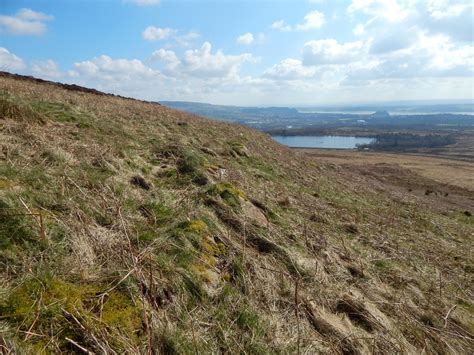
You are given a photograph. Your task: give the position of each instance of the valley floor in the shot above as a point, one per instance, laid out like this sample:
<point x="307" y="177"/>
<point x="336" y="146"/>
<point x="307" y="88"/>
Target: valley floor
<point x="415" y="173"/>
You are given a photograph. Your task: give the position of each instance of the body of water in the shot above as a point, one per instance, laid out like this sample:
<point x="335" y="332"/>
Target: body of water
<point x="329" y="142"/>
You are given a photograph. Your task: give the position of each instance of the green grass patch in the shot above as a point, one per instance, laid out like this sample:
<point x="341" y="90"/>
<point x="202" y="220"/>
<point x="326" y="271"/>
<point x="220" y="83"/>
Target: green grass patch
<point x="228" y="192"/>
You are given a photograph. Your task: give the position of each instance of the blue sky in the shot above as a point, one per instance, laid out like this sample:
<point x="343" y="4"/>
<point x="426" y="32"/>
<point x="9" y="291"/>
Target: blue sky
<point x="309" y="52"/>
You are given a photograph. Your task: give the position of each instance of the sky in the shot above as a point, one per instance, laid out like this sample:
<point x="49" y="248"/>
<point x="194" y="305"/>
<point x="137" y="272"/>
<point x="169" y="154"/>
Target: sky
<point x="256" y="53"/>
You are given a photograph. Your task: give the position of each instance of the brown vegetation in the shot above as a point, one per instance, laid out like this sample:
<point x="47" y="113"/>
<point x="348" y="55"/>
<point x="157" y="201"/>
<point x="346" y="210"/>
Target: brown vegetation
<point x="170" y="233"/>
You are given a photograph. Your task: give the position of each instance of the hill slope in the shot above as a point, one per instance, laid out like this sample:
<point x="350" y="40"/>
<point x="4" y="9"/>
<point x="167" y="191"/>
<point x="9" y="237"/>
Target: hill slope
<point x="129" y="226"/>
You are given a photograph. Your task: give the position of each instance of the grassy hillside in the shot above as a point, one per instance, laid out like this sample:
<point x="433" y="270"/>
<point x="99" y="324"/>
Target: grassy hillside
<point x="126" y="226"/>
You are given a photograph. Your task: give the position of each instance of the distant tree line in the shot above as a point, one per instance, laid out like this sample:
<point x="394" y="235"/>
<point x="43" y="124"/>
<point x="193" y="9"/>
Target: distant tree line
<point x="403" y="141"/>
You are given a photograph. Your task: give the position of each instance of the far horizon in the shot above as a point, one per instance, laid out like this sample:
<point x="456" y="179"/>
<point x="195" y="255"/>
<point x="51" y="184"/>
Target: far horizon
<point x="348" y="104"/>
<point x="279" y="53"/>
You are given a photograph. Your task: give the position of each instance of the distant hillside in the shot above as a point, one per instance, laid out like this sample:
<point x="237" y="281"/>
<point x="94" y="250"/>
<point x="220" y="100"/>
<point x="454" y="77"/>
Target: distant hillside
<point x="435" y="117"/>
<point x="130" y="227"/>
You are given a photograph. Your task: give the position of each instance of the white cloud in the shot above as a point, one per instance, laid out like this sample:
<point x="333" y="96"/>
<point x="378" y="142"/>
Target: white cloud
<point x="203" y="63"/>
<point x="152" y="33"/>
<point x="144" y="2"/>
<point x="185" y="40"/>
<point x="312" y="20"/>
<point x="455" y="20"/>
<point x="25" y="22"/>
<point x="109" y="69"/>
<point x="28" y="14"/>
<point x="164" y="55"/>
<point x="9" y="61"/>
<point x="430" y="56"/>
<point x="245" y="39"/>
<point x="359" y="30"/>
<point x="390" y="10"/>
<point x="46" y="69"/>
<point x="290" y="69"/>
<point x="196" y="74"/>
<point x="281" y="26"/>
<point x="330" y="51"/>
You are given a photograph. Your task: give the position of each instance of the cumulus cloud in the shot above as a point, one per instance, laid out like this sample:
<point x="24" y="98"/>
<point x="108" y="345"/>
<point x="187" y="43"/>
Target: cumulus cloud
<point x="454" y="20"/>
<point x="281" y="26"/>
<point x="290" y="69"/>
<point x="109" y="69"/>
<point x="197" y="73"/>
<point x="419" y="39"/>
<point x="245" y="39"/>
<point x="312" y="20"/>
<point x="389" y="10"/>
<point x="25" y="22"/>
<point x="46" y="69"/>
<point x="152" y="33"/>
<point x="330" y="51"/>
<point x="9" y="61"/>
<point x="164" y="55"/>
<point x="202" y="62"/>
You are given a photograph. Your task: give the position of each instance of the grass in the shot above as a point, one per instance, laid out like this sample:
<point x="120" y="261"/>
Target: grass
<point x="171" y="262"/>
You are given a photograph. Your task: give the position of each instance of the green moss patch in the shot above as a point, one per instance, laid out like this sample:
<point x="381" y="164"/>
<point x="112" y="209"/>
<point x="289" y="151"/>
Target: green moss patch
<point x="228" y="192"/>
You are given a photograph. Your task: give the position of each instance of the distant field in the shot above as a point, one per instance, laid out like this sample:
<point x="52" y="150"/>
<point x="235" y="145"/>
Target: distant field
<point x="414" y="173"/>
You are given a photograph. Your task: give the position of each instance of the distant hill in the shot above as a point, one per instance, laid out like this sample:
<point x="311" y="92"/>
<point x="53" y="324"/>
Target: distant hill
<point x="434" y="117"/>
<point x="131" y="227"/>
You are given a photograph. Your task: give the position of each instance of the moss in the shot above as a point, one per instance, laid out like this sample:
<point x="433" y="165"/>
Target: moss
<point x="197" y="226"/>
<point x="47" y="295"/>
<point x="121" y="313"/>
<point x="44" y="304"/>
<point x="228" y="192"/>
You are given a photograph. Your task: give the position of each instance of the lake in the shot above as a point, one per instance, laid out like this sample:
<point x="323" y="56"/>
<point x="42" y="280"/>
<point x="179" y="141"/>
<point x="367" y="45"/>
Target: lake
<point x="328" y="142"/>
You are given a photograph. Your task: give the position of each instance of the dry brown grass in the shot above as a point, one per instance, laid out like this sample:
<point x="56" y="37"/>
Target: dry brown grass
<point x="181" y="266"/>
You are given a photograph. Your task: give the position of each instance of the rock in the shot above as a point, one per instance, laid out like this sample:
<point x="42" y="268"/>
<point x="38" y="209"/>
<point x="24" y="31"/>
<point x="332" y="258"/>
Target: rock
<point x="253" y="213"/>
